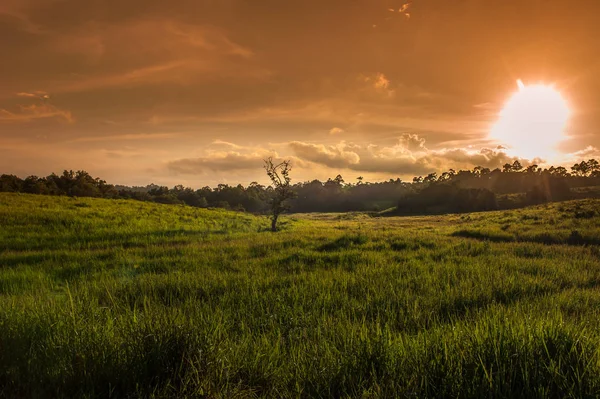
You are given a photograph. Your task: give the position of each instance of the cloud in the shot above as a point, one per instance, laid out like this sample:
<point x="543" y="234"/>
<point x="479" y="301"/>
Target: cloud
<point x="336" y="130"/>
<point x="491" y="158"/>
<point x="408" y="156"/>
<point x="590" y="152"/>
<point x="28" y="113"/>
<point x="42" y="95"/>
<point x="90" y="45"/>
<point x="227" y="144"/>
<point x="181" y="72"/>
<point x="405" y="9"/>
<point x="15" y="9"/>
<point x="41" y="109"/>
<point x="125" y="152"/>
<point x="156" y="74"/>
<point x="152" y="51"/>
<point x="339" y="156"/>
<point x="485" y="106"/>
<point x="220" y="158"/>
<point x="124" y="137"/>
<point x="412" y="142"/>
<point x="379" y="83"/>
<point x="208" y="38"/>
<point x="219" y="162"/>
<point x="150" y="37"/>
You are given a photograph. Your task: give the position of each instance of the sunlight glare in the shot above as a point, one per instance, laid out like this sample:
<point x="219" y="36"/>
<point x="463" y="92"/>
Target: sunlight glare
<point x="533" y="122"/>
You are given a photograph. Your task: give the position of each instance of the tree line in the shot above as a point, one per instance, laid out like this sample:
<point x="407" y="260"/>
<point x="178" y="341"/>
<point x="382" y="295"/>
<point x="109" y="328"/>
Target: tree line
<point x="451" y="191"/>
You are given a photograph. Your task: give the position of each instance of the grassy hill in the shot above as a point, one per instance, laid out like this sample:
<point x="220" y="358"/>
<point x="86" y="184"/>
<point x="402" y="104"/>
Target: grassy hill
<point x="102" y="298"/>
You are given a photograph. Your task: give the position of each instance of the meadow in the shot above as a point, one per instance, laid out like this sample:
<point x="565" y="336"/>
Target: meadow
<point x="116" y="298"/>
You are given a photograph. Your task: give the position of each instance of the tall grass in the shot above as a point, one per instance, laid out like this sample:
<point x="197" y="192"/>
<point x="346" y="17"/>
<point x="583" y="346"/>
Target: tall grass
<point x="104" y="298"/>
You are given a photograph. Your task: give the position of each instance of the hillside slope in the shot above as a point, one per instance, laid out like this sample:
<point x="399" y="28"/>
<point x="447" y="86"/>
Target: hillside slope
<point x="45" y="222"/>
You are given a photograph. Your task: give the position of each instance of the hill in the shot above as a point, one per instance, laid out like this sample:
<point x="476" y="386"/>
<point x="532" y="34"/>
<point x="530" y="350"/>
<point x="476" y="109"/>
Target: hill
<point x="103" y="298"/>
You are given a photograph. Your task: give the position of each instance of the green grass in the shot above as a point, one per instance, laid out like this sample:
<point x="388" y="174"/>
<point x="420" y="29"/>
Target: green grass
<point x="102" y="298"/>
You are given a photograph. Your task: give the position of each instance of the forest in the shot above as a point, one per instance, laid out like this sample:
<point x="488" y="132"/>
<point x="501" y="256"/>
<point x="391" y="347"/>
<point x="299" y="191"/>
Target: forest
<point x="479" y="189"/>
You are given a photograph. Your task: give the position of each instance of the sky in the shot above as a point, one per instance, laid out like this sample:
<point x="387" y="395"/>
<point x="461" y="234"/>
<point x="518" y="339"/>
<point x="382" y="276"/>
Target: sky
<point x="199" y="92"/>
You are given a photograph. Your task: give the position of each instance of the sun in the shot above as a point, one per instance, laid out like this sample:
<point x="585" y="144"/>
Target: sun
<point x="533" y="122"/>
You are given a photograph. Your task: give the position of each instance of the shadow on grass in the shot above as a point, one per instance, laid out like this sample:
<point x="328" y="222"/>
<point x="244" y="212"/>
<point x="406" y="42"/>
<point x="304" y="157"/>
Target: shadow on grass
<point x="311" y="261"/>
<point x="344" y="242"/>
<point x="575" y="238"/>
<point x="104" y="239"/>
<point x="494" y="236"/>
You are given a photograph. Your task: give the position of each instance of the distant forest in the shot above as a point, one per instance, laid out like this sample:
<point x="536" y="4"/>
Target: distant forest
<point x="479" y="189"/>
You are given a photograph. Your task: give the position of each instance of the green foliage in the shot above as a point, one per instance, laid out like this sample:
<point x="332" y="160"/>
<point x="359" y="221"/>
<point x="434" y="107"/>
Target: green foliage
<point x="118" y="298"/>
<point x="480" y="189"/>
<point x="446" y="198"/>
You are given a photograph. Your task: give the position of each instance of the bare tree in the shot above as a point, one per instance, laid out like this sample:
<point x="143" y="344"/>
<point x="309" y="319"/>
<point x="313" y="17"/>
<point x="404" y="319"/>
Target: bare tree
<point x="280" y="177"/>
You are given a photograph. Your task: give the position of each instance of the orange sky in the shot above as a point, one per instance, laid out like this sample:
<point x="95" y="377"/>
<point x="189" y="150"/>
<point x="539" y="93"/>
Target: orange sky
<point x="199" y="91"/>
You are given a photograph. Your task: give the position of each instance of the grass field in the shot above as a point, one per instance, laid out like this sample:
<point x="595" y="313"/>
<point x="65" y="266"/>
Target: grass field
<point x="106" y="298"/>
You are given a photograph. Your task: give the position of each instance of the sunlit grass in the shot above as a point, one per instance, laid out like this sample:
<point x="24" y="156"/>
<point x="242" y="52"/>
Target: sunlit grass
<point x="104" y="298"/>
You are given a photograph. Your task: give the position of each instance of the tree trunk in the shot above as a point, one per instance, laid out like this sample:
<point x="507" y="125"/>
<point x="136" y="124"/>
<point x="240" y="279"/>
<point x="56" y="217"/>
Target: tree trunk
<point x="274" y="222"/>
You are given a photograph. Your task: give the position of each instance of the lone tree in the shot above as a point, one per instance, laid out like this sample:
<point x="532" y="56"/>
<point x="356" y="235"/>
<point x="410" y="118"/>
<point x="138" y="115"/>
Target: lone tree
<point x="280" y="177"/>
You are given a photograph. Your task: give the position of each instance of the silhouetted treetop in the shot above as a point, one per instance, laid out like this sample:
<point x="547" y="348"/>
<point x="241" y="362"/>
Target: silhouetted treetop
<point x="531" y="184"/>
